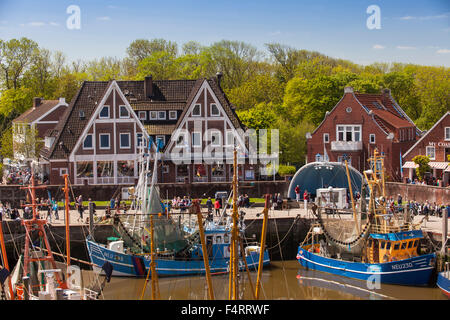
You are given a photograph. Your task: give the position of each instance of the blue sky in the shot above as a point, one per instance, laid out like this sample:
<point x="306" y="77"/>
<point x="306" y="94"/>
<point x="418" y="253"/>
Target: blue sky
<point x="411" y="31"/>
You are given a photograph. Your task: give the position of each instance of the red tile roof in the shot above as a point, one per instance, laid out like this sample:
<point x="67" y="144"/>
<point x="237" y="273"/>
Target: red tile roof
<point x="33" y="114"/>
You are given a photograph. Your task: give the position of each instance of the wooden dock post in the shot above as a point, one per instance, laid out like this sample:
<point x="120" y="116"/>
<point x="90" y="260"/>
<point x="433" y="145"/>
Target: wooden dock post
<point x="445" y="214"/>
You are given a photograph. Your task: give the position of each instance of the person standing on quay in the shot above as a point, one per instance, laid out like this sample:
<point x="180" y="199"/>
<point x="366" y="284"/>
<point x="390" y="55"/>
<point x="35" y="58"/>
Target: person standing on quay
<point x="297" y="193"/>
<point x="79" y="204"/>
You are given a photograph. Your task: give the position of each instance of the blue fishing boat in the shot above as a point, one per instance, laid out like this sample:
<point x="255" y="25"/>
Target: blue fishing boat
<point x="177" y="252"/>
<point x="385" y="249"/>
<point x="443" y="281"/>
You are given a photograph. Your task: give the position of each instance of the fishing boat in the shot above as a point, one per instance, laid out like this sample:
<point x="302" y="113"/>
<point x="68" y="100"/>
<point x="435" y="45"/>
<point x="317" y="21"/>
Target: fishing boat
<point x="37" y="275"/>
<point x="178" y="253"/>
<point x="443" y="280"/>
<point x="378" y="246"/>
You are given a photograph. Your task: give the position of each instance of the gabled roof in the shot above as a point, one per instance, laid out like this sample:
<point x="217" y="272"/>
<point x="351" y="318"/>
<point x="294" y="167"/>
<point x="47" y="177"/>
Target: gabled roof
<point x="447" y="114"/>
<point x="167" y="95"/>
<point x="34" y="114"/>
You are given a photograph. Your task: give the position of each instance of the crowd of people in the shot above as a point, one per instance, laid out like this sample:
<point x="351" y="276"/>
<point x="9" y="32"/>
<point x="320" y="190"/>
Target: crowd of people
<point x="428" y="180"/>
<point x="16" y="175"/>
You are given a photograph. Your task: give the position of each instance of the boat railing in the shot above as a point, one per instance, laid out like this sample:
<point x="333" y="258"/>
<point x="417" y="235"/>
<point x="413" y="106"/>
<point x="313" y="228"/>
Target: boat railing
<point x="393" y="229"/>
<point x="90" y="294"/>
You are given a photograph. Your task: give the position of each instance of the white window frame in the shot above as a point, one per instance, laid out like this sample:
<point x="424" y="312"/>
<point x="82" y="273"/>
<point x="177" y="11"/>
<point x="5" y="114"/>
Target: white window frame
<point x="161" y="137"/>
<point x="200" y="139"/>
<point x="218" y="133"/>
<point x="353" y="131"/>
<point x="341" y="159"/>
<point x="181" y="134"/>
<point x="92" y="142"/>
<point x="153" y="118"/>
<point x="370" y="138"/>
<point x="100" y="141"/>
<point x="109" y="112"/>
<point x="447" y="133"/>
<point x="120" y="140"/>
<point x="162" y="118"/>
<point x="120" y="113"/>
<point x="326" y="138"/>
<point x="140" y="113"/>
<point x="165" y="169"/>
<point x="63" y="171"/>
<point x="171" y="112"/>
<point x="427" y="152"/>
<point x="211" y="110"/>
<point x="143" y="144"/>
<point x="227" y="138"/>
<point x="199" y="110"/>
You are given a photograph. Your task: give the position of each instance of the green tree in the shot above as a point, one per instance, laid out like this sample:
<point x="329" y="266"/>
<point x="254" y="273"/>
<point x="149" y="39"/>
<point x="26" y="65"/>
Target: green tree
<point x="423" y="167"/>
<point x="161" y="65"/>
<point x="15" y="57"/>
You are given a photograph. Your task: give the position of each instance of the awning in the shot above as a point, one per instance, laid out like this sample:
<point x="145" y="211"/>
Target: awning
<point x="438" y="165"/>
<point x="410" y="165"/>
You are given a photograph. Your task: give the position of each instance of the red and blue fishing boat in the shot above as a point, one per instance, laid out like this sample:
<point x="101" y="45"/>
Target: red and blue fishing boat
<point x="378" y="246"/>
<point x="443" y="280"/>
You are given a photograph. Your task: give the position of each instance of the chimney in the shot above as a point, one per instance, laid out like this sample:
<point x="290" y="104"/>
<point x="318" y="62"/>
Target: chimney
<point x="37" y="102"/>
<point x="219" y="76"/>
<point x="148" y="87"/>
<point x="386" y="92"/>
<point x="62" y="100"/>
<point x="348" y="90"/>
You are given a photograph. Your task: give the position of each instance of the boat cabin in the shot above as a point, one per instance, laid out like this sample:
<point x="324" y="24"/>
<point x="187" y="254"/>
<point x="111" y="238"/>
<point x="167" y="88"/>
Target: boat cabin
<point x="382" y="248"/>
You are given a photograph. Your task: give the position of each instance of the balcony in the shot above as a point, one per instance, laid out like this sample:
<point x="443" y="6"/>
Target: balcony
<point x="346" y="145"/>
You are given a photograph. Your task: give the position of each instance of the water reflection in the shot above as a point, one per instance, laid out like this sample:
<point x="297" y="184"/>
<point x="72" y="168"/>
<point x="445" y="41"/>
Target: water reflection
<point x="282" y="280"/>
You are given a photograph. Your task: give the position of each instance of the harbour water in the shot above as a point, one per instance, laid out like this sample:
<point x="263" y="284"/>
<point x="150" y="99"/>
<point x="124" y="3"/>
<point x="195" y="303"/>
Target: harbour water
<point x="283" y="280"/>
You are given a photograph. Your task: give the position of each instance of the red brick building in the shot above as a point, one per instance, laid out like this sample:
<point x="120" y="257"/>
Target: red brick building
<point x="435" y="144"/>
<point x="357" y="125"/>
<point x="98" y="141"/>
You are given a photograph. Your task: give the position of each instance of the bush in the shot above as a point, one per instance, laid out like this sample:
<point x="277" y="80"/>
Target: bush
<point x="423" y="167"/>
<point x="286" y="170"/>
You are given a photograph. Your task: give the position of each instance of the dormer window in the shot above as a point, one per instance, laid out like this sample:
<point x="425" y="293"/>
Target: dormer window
<point x="161" y="115"/>
<point x="172" y="115"/>
<point x="153" y="115"/>
<point x="196" y="110"/>
<point x="123" y="112"/>
<point x="81" y="115"/>
<point x="214" y="110"/>
<point x="104" y="113"/>
<point x="142" y="115"/>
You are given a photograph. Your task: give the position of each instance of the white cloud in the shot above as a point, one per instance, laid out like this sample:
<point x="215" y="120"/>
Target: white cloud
<point x="443" y="51"/>
<point x="103" y="18"/>
<point x="378" y="46"/>
<point x="36" y="24"/>
<point x="438" y="16"/>
<point x="406" y="48"/>
<point x="276" y="33"/>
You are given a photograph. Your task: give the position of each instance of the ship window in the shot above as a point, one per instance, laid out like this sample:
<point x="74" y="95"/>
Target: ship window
<point x="410" y="243"/>
<point x="416" y="242"/>
<point x="388" y="245"/>
<point x="382" y="244"/>
<point x="396" y="246"/>
<point x="404" y="245"/>
<point x="370" y="242"/>
<point x="218" y="239"/>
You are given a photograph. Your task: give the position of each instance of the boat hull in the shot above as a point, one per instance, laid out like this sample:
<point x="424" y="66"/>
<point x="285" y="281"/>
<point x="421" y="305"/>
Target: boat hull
<point x="414" y="271"/>
<point x="130" y="265"/>
<point x="443" y="282"/>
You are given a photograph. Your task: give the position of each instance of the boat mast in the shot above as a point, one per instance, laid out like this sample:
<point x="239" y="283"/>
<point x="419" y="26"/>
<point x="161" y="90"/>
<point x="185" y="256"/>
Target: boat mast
<point x="67" y="217"/>
<point x="37" y="224"/>
<point x="232" y="283"/>
<point x="204" y="249"/>
<point x="263" y="244"/>
<point x="351" y="196"/>
<point x="5" y="259"/>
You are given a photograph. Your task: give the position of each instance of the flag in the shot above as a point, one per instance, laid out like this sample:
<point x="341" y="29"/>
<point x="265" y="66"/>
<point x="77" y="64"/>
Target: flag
<point x="401" y="164"/>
